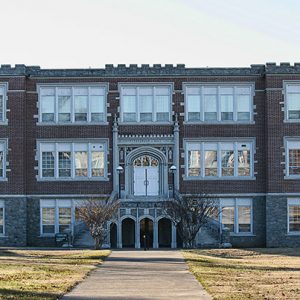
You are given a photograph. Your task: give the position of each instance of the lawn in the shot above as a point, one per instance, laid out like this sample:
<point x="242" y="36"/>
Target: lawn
<point x="44" y="274"/>
<point x="247" y="273"/>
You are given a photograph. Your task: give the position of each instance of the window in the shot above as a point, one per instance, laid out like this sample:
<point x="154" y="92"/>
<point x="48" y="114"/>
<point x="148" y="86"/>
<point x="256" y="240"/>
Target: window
<point x="219" y="103"/>
<point x="145" y="103"/>
<point x="48" y="220"/>
<point x="236" y="215"/>
<point x="294" y="215"/>
<point x="72" y="104"/>
<point x="56" y="216"/>
<point x="292" y="101"/>
<point x="72" y="160"/>
<point x="3" y="90"/>
<point x="293" y="158"/>
<point x="1" y="217"/>
<point x="213" y="160"/>
<point x="2" y="159"/>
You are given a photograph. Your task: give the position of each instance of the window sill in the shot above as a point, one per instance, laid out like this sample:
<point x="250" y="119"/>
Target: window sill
<point x="291" y="177"/>
<point x="218" y="178"/>
<point x="3" y="179"/>
<point x="3" y="236"/>
<point x="50" y="235"/>
<point x="146" y="123"/>
<point x="242" y="234"/>
<point x="4" y="123"/>
<point x="218" y="123"/>
<point x="291" y="121"/>
<point x="71" y="179"/>
<point x="293" y="233"/>
<point x="73" y="124"/>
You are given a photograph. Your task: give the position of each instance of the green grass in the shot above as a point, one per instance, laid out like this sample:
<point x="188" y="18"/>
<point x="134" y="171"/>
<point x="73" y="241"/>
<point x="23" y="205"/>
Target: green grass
<point x="44" y="274"/>
<point x="239" y="274"/>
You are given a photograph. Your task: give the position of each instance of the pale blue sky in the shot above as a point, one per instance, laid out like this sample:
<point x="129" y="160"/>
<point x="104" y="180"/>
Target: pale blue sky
<point x="92" y="33"/>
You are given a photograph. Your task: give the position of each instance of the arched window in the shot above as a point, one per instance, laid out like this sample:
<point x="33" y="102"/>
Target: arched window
<point x="145" y="161"/>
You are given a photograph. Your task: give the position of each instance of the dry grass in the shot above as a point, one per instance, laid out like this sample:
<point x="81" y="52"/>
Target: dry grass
<point x="44" y="274"/>
<point x="247" y="273"/>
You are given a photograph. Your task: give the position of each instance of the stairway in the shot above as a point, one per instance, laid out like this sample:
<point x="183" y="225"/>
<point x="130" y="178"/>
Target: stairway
<point x="205" y="239"/>
<point x="84" y="240"/>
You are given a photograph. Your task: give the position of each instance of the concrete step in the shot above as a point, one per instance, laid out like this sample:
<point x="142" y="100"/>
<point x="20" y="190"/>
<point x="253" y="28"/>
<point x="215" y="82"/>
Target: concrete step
<point x="206" y="240"/>
<point x="84" y="240"/>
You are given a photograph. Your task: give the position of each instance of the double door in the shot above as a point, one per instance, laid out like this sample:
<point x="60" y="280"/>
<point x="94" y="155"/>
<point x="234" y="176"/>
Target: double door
<point x="146" y="181"/>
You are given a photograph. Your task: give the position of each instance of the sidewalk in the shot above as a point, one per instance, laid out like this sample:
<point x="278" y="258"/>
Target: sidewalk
<point x="140" y="275"/>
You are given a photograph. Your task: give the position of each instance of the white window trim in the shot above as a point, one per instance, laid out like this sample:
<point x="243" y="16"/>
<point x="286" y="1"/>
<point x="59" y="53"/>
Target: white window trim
<point x="56" y="207"/>
<point x="284" y="92"/>
<point x="5" y="143"/>
<point x="236" y="215"/>
<point x="73" y="177"/>
<point x="291" y="202"/>
<point x="287" y="171"/>
<point x="121" y="85"/>
<point x="2" y="205"/>
<point x="218" y="85"/>
<point x="4" y="121"/>
<point x="219" y="141"/>
<point x="72" y="86"/>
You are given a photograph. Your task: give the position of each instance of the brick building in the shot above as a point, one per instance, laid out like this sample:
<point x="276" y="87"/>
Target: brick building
<point x="232" y="133"/>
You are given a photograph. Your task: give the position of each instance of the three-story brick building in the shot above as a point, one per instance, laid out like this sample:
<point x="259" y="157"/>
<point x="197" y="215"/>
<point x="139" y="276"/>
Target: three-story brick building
<point x="231" y="133"/>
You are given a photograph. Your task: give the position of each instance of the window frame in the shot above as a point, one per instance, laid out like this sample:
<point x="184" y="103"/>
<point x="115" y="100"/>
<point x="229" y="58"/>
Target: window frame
<point x="288" y="140"/>
<point x="218" y="86"/>
<point x="4" y="120"/>
<point x="237" y="202"/>
<point x="285" y="98"/>
<point x="2" y="205"/>
<point x="219" y="142"/>
<point x="57" y="204"/>
<point x="291" y="202"/>
<point x="72" y="143"/>
<point x="73" y="86"/>
<point x="137" y="86"/>
<point x="4" y="142"/>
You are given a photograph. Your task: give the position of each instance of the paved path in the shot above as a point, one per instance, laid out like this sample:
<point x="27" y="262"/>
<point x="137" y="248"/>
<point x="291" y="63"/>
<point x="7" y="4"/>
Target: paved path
<point x="141" y="275"/>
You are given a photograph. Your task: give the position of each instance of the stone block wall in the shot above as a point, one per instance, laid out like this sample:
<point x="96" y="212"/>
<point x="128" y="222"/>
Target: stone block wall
<point x="15" y="222"/>
<point x="277" y="223"/>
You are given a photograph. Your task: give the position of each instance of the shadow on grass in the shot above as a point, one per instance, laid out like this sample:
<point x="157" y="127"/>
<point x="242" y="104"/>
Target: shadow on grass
<point x="213" y="264"/>
<point x="145" y="259"/>
<point x="28" y="295"/>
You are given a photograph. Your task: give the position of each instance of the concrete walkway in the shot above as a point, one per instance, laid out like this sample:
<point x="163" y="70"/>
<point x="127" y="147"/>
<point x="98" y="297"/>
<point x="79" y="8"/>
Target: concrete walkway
<point x="140" y="275"/>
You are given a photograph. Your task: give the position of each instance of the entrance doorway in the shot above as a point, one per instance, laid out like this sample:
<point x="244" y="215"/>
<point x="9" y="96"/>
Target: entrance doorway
<point x="146" y="233"/>
<point x="113" y="235"/>
<point x="128" y="233"/>
<point x="164" y="233"/>
<point x="146" y="176"/>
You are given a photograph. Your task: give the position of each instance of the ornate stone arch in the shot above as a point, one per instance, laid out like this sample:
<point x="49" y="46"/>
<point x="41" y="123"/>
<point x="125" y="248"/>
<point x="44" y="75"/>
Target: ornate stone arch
<point x="163" y="169"/>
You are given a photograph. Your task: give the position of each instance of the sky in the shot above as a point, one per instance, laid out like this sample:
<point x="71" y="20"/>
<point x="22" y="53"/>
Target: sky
<point x="197" y="33"/>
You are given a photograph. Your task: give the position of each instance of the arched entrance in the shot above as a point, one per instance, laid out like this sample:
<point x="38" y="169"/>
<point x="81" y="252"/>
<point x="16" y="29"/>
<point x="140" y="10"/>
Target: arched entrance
<point x="128" y="233"/>
<point x="164" y="233"/>
<point x="113" y="235"/>
<point x="146" y="172"/>
<point x="146" y="176"/>
<point x="146" y="233"/>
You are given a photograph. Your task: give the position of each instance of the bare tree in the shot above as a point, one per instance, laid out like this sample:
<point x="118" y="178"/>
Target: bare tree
<point x="189" y="214"/>
<point x="95" y="213"/>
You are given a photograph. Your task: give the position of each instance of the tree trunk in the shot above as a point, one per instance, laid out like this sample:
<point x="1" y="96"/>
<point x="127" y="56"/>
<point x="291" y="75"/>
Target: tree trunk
<point x="98" y="243"/>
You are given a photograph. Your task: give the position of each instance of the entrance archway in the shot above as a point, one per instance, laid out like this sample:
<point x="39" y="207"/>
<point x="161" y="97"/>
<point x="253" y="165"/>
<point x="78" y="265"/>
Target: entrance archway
<point x="146" y="233"/>
<point x="164" y="233"/>
<point x="113" y="235"/>
<point x="146" y="166"/>
<point x="146" y="176"/>
<point x="128" y="233"/>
